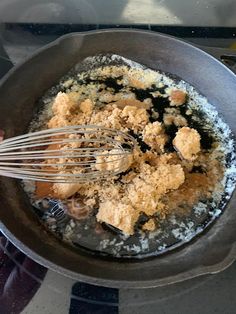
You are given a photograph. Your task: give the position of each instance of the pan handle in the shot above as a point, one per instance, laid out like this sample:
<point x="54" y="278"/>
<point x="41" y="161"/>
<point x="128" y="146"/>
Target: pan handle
<point x="225" y="55"/>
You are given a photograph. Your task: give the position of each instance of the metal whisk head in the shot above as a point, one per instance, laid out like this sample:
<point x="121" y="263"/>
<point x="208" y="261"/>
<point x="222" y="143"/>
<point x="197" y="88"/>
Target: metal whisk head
<point x="69" y="154"/>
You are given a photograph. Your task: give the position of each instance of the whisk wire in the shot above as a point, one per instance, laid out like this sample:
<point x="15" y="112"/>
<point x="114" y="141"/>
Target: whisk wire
<point x="66" y="154"/>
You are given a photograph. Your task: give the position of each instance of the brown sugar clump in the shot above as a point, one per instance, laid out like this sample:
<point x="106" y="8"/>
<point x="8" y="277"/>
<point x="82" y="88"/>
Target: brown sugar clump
<point x="177" y="97"/>
<point x="135" y="117"/>
<point x="86" y="106"/>
<point x="187" y="143"/>
<point x="154" y="135"/>
<point x="142" y="194"/>
<point x="169" y="177"/>
<point x="63" y="105"/>
<point x="119" y="215"/>
<point x="113" y="161"/>
<point x="149" y="225"/>
<point x="64" y="190"/>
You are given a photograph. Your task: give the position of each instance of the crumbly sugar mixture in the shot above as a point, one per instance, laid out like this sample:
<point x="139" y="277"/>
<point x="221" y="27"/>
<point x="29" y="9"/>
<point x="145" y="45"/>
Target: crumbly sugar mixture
<point x="178" y="162"/>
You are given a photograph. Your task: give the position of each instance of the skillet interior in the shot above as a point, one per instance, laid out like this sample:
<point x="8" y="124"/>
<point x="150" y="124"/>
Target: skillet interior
<point x="26" y="83"/>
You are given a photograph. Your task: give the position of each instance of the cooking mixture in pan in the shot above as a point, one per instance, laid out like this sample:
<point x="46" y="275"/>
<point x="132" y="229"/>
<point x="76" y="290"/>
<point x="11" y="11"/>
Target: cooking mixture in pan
<point x="178" y="180"/>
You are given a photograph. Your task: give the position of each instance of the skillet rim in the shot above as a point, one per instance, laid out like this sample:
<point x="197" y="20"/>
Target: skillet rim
<point x="197" y="271"/>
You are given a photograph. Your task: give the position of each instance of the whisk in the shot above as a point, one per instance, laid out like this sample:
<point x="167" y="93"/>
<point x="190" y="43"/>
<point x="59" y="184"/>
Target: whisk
<point x="79" y="153"/>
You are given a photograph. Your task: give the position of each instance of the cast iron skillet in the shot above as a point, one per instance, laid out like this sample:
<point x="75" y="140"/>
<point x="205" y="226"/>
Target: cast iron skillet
<point x="23" y="85"/>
